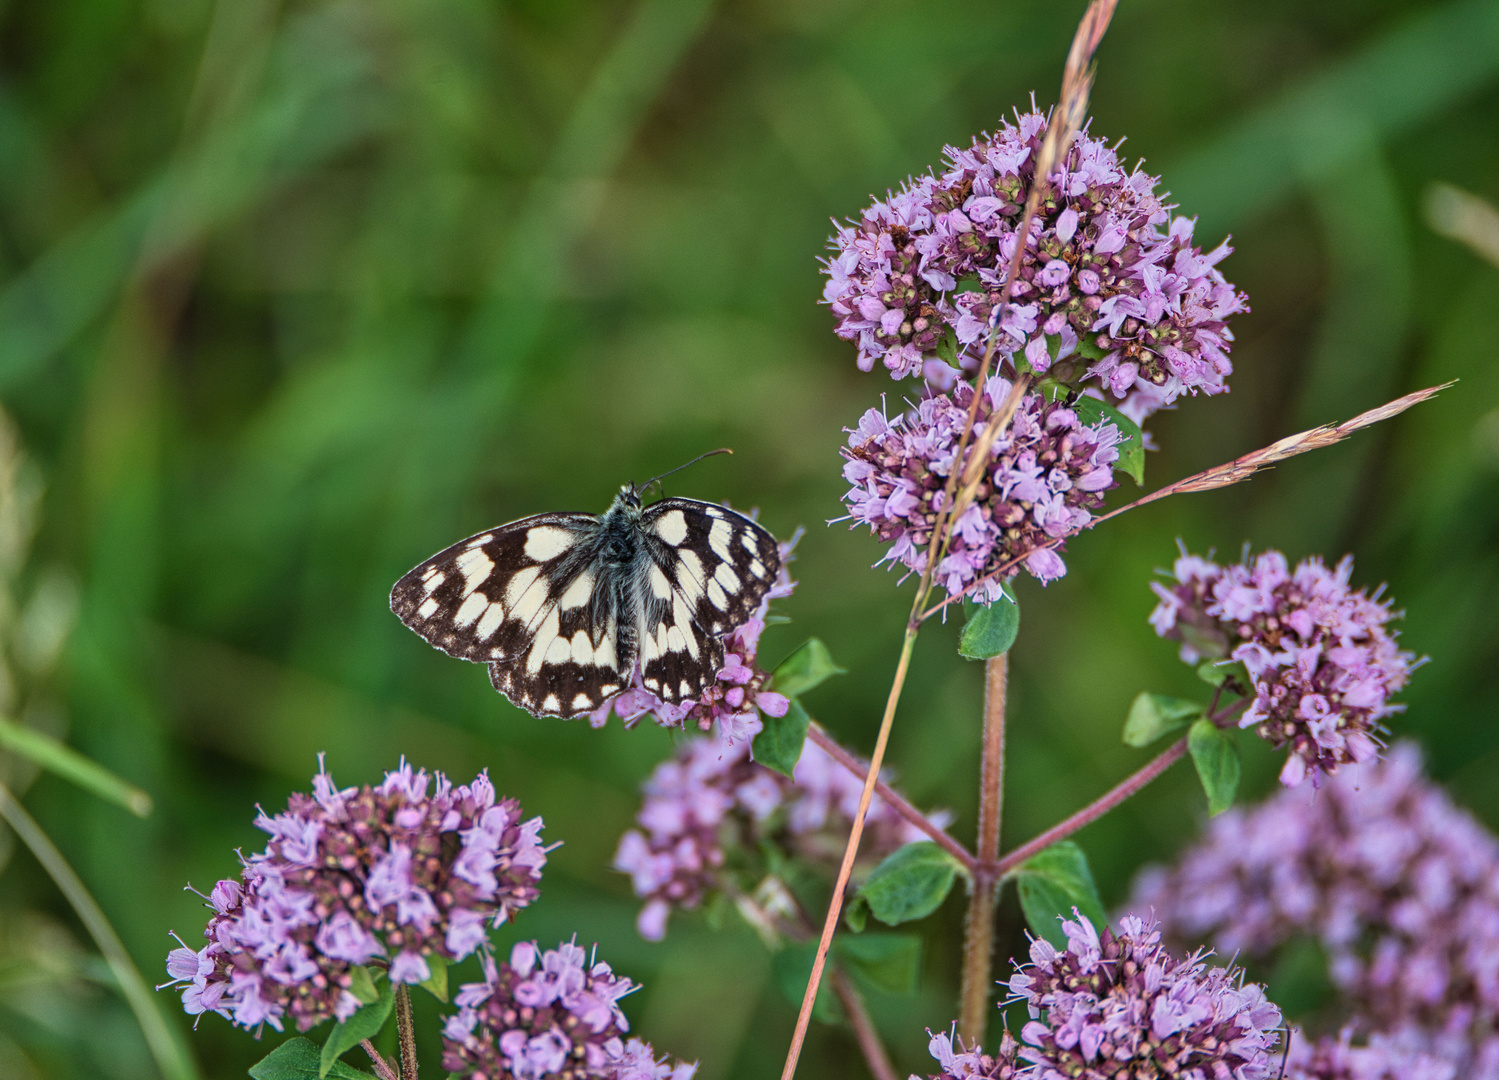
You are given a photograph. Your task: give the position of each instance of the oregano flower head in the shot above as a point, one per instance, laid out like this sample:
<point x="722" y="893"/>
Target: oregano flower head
<point x="710" y="801"/>
<point x="385" y="876"/>
<point x="1121" y="1006"/>
<point x="1321" y="663"/>
<point x="1399" y="888"/>
<point x="1111" y="290"/>
<point x="1381" y="1058"/>
<point x="971" y="1063"/>
<point x="1047" y="475"/>
<point x="547" y="1014"/>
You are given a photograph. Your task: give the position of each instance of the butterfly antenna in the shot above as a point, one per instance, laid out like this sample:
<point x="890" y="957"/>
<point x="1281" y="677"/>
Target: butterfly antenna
<point x="679" y="468"/>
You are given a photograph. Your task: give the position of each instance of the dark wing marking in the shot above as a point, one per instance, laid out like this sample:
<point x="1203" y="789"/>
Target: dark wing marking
<point x="709" y="569"/>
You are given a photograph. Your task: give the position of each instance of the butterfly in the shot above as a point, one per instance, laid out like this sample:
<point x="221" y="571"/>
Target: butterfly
<point x="562" y="607"/>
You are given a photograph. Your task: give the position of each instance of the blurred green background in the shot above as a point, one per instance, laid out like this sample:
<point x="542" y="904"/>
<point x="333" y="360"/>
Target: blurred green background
<point x="293" y="295"/>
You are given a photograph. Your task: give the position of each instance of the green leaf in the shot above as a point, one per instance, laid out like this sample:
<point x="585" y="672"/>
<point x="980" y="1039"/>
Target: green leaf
<point x="436" y="982"/>
<point x="362" y="984"/>
<point x="298" y="1059"/>
<point x="1053" y="882"/>
<point x="792" y="967"/>
<point x="947" y="348"/>
<point x="990" y="629"/>
<point x="1211" y="673"/>
<point x="1088" y="347"/>
<point x="1154" y="715"/>
<point x="1132" y="443"/>
<point x="910" y="884"/>
<point x="69" y="764"/>
<point x="1216" y="754"/>
<point x="888" y="962"/>
<point x="970" y="283"/>
<point x="364" y="1024"/>
<point x="1212" y="644"/>
<point x="779" y="744"/>
<point x="809" y="665"/>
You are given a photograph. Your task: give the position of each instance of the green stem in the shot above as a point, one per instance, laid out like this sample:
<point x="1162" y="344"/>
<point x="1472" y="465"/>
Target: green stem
<point x="172" y="1057"/>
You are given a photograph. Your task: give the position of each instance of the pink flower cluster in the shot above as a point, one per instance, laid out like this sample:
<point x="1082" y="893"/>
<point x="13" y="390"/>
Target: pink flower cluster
<point x="547" y="1014"/>
<point x="1107" y="274"/>
<point x="385" y="876"/>
<point x="1049" y="472"/>
<point x="736" y="699"/>
<point x="1382" y="1058"/>
<point x="1121" y="1006"/>
<point x="710" y="799"/>
<point x="971" y="1063"/>
<point x="1399" y="887"/>
<point x="1321" y="663"/>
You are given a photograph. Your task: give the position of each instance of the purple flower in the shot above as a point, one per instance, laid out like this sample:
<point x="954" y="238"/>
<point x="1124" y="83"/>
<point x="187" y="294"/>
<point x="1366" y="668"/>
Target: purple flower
<point x="1321" y="664"/>
<point x="388" y="875"/>
<point x="1382" y="1058"/>
<point x="1122" y="1006"/>
<point x="711" y="797"/>
<point x="1111" y="287"/>
<point x="1398" y="886"/>
<point x="1049" y="472"/>
<point x="959" y="1063"/>
<point x="738" y="696"/>
<point x="542" y="1013"/>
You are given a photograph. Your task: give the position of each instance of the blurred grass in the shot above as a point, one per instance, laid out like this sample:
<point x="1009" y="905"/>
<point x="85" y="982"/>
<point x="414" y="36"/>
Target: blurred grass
<point x="295" y="294"/>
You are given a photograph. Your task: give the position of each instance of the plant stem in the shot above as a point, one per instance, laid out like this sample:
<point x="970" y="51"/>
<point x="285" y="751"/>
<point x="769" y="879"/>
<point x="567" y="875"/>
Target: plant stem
<point x="1094" y="810"/>
<point x="858" y="1019"/>
<point x="405" y="1033"/>
<point x="835" y="905"/>
<point x="818" y="734"/>
<point x="172" y="1056"/>
<point x="978" y="938"/>
<point x="382" y="1067"/>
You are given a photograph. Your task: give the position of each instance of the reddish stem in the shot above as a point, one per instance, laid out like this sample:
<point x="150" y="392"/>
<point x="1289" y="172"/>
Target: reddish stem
<point x="818" y="734"/>
<point x="864" y="1032"/>
<point x="1093" y="811"/>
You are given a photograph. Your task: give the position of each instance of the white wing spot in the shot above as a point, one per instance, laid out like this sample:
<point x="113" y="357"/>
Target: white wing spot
<point x="686" y="688"/>
<point x="603" y="656"/>
<point x="429" y="605"/>
<point x="551" y="704"/>
<point x="747" y="538"/>
<point x="582" y="649"/>
<point x="716" y="596"/>
<point x="659" y="585"/>
<point x="676" y="641"/>
<point x="726" y="577"/>
<point x="672" y="527"/>
<point x="579" y="592"/>
<point x="480" y="541"/>
<point x="475" y="567"/>
<point x="431" y="581"/>
<point x="489" y="622"/>
<point x="649" y="650"/>
<point x="543" y="642"/>
<point x="682" y="615"/>
<point x="545" y="542"/>
<point x="757" y="568"/>
<point x="524" y="602"/>
<point x="470" y="609"/>
<point x="719" y="537"/>
<point x="559" y="651"/>
<point x="690" y="578"/>
<point x="582" y="701"/>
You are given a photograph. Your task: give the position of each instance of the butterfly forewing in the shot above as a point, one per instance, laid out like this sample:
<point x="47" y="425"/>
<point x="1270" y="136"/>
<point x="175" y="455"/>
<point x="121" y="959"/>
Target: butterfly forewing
<point x="709" y="569"/>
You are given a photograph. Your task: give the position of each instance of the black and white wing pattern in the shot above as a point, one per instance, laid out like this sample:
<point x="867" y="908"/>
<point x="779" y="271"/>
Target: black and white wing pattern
<point x="563" y="607"/>
<point x="708" y="570"/>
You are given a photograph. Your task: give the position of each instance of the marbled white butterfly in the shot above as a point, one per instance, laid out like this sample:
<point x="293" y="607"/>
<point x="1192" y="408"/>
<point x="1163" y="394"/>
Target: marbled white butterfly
<point x="563" y="606"/>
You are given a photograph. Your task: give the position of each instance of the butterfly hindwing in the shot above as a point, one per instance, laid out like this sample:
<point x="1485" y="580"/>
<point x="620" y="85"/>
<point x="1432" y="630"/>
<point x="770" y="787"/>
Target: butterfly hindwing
<point x="708" y="570"/>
